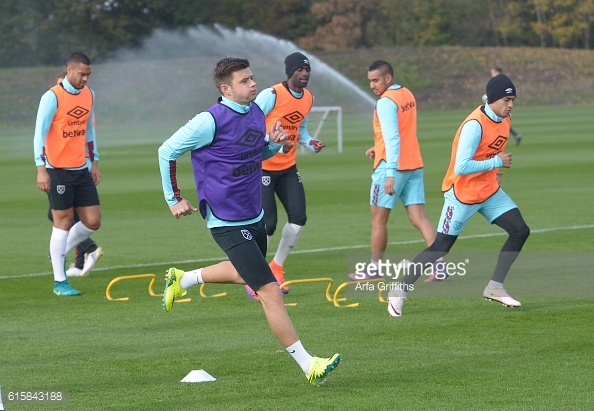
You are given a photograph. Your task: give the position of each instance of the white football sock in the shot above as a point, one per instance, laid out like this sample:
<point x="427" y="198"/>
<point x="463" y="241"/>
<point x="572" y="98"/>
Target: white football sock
<point x="291" y="233"/>
<point x="191" y="278"/>
<point x="77" y="234"/>
<point x="300" y="355"/>
<point x="58" y="241"/>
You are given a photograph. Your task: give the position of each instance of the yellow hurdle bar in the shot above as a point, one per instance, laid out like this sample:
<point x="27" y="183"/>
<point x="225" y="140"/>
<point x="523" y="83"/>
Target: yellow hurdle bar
<point x="346" y="284"/>
<point x="202" y="294"/>
<point x="153" y="278"/>
<point x="311" y="280"/>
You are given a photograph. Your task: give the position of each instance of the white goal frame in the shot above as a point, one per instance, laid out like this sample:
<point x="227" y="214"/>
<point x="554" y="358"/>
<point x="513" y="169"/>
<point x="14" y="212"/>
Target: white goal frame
<point x="326" y="110"/>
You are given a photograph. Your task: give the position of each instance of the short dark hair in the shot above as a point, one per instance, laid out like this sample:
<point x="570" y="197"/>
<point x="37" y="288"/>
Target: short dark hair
<point x="77" y="58"/>
<point x="223" y="72"/>
<point x="383" y="66"/>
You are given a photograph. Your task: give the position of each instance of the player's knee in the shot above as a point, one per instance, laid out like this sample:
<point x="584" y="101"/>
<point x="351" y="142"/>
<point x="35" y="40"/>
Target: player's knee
<point x="298" y="219"/>
<point x="92" y="223"/>
<point x="443" y="243"/>
<point x="270" y="295"/>
<point x="94" y="226"/>
<point x="270" y="229"/>
<point x="418" y="221"/>
<point x="520" y="233"/>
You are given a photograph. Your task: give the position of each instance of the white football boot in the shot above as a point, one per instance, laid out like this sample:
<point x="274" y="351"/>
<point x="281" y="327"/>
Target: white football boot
<point x="90" y="260"/>
<point x="73" y="271"/>
<point x="501" y="296"/>
<point x="395" y="304"/>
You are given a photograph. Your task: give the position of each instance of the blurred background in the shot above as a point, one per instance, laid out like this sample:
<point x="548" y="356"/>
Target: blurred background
<point x="152" y="59"/>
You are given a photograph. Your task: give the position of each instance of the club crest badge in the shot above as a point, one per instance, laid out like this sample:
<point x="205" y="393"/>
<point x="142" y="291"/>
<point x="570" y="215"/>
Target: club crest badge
<point x="246" y="234"/>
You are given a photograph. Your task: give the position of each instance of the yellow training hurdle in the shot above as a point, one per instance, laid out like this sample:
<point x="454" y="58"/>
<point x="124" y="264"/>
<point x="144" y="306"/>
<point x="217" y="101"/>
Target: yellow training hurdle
<point x="153" y="278"/>
<point x="354" y="305"/>
<point x="311" y="280"/>
<point x="203" y="294"/>
<point x="329" y="297"/>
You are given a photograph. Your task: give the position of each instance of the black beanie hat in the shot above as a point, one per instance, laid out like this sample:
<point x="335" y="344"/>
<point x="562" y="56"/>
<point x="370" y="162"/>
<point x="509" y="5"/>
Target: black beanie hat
<point x="294" y="61"/>
<point x="498" y="87"/>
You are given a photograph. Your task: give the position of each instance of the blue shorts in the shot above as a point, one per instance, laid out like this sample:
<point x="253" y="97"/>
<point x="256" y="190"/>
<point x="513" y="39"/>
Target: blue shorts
<point x="455" y="214"/>
<point x="408" y="187"/>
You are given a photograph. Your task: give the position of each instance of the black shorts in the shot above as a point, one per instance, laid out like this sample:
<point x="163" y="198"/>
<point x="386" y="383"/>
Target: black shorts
<point x="246" y="248"/>
<point x="71" y="188"/>
<point x="288" y="187"/>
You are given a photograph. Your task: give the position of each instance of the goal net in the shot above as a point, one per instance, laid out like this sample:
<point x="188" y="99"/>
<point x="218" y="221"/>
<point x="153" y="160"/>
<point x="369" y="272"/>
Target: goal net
<point x="325" y="123"/>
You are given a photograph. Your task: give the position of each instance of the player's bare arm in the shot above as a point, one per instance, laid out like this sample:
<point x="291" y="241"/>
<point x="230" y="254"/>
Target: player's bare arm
<point x="506" y="158"/>
<point x="95" y="174"/>
<point x="389" y="185"/>
<point x="183" y="207"/>
<point x="43" y="180"/>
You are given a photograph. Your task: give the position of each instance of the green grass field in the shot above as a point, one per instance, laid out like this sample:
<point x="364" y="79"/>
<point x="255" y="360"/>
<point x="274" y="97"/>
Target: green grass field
<point x="450" y="350"/>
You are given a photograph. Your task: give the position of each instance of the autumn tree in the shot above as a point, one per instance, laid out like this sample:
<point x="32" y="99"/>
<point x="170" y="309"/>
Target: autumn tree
<point x="340" y="24"/>
<point x="571" y="22"/>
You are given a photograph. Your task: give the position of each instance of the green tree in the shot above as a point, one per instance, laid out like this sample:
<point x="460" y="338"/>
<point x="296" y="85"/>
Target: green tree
<point x="542" y="26"/>
<point x="586" y="11"/>
<point x="288" y="19"/>
<point x="17" y="24"/>
<point x="429" y="22"/>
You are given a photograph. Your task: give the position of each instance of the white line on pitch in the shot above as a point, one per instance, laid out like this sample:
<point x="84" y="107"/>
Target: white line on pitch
<point x="315" y="250"/>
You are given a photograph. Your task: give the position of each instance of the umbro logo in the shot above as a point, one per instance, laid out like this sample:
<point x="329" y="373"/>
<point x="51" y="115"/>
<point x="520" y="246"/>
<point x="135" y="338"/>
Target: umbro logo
<point x="250" y="138"/>
<point x="509" y="90"/>
<point x="294" y="117"/>
<point x="498" y="143"/>
<point x="78" y="112"/>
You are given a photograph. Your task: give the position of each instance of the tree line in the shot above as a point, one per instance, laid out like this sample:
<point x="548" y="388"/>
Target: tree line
<point x="44" y="32"/>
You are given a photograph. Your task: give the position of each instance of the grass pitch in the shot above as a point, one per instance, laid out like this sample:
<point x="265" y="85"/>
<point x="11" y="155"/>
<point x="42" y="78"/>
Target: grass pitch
<point x="450" y="350"/>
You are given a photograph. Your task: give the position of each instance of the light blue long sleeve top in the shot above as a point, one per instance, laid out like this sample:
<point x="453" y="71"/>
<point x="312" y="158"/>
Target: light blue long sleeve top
<point x="48" y="105"/>
<point x="470" y="138"/>
<point x="387" y="113"/>
<point x="197" y="133"/>
<point x="266" y="99"/>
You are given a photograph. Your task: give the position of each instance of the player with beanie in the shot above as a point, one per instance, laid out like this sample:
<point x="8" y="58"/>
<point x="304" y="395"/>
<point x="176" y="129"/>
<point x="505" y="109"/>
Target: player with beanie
<point x="471" y="185"/>
<point x="288" y="102"/>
